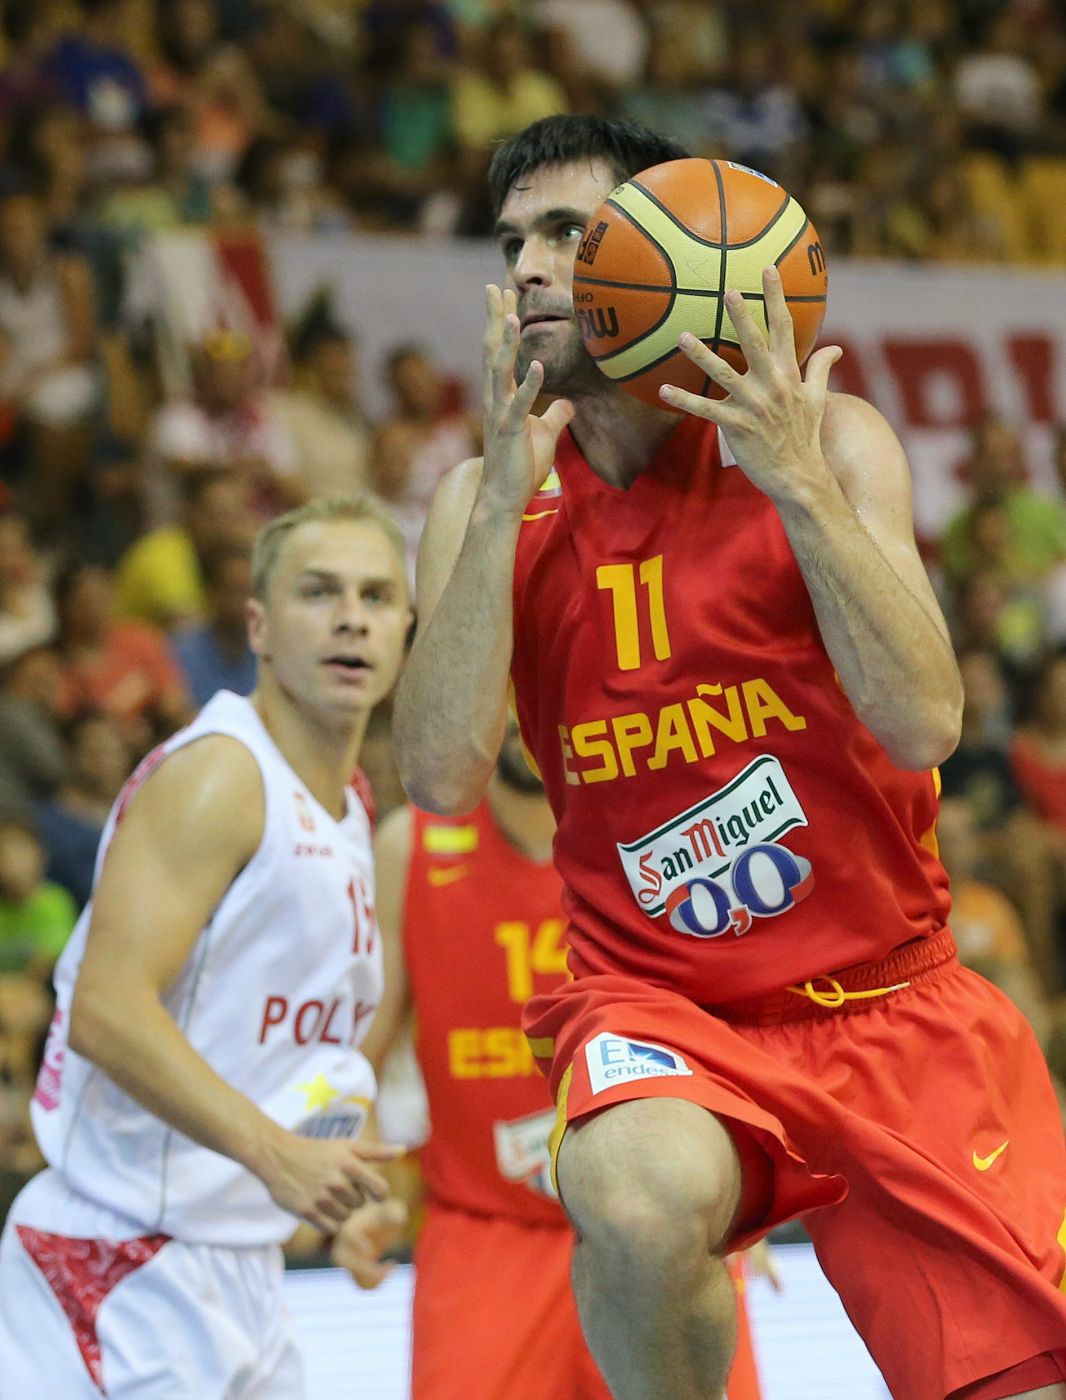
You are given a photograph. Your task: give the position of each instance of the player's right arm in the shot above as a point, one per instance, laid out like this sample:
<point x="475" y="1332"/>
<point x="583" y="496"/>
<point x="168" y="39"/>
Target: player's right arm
<point x="451" y="704"/>
<point x="392" y="858"/>
<point x="186" y="835"/>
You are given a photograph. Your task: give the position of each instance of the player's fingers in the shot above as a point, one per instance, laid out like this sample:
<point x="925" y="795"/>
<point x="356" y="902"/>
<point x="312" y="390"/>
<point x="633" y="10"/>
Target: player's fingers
<point x="714" y="410"/>
<point x="326" y="1214"/>
<point x="557" y="415"/>
<point x="369" y="1273"/>
<point x="721" y="371"/>
<point x="490" y="343"/>
<point x="750" y="338"/>
<point x="524" y="397"/>
<point x="779" y="322"/>
<point x="380" y="1151"/>
<point x="502" y="377"/>
<point x="819" y="368"/>
<point x="369" y="1182"/>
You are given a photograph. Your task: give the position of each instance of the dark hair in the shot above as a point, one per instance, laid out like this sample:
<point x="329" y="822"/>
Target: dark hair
<point x="626" y="146"/>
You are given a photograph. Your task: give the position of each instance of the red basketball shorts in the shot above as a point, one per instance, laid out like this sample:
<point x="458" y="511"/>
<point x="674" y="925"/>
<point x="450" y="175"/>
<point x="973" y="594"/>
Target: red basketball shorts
<point x="494" y="1315"/>
<point x="916" y="1131"/>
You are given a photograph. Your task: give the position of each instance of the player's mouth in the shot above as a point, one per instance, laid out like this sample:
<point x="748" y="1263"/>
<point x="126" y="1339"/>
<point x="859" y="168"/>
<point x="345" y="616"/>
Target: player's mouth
<point x="350" y="667"/>
<point x="535" y="319"/>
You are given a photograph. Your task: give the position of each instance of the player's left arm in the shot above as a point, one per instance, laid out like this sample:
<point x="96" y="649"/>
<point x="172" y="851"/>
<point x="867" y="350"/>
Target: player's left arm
<point x="839" y="478"/>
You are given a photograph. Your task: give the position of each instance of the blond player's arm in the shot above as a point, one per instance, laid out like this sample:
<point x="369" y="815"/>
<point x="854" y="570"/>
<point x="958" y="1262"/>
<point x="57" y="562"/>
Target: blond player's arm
<point x="186" y="835"/>
<point x="450" y="710"/>
<point x="392" y="857"/>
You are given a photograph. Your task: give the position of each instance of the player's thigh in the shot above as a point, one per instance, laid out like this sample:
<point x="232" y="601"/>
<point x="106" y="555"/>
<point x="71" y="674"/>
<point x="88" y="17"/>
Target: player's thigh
<point x="644" y="1164"/>
<point x="494" y="1316"/>
<point x="39" y="1355"/>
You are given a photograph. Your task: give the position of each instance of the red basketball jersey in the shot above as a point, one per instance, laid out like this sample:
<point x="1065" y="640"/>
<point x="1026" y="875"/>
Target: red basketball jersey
<point x="483" y="930"/>
<point x="727" y="826"/>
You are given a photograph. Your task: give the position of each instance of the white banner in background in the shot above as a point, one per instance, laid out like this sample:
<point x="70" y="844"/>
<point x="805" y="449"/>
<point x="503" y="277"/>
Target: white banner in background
<point x="933" y="347"/>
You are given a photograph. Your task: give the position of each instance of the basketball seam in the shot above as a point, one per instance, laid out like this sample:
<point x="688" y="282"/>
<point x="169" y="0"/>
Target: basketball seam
<point x="684" y="291"/>
<point x="784" y="254"/>
<point x="778" y="216"/>
<point x="606" y="355"/>
<point x="721" y="268"/>
<point x="654" y="364"/>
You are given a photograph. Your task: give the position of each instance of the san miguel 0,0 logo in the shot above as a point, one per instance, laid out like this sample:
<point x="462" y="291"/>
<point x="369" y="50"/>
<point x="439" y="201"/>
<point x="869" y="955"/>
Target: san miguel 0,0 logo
<point x="718" y="865"/>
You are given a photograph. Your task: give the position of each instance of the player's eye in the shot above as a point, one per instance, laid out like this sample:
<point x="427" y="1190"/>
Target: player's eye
<point x="571" y="232"/>
<point x="510" y="248"/>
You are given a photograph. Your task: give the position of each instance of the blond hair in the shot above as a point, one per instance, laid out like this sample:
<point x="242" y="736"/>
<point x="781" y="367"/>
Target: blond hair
<point x="361" y="509"/>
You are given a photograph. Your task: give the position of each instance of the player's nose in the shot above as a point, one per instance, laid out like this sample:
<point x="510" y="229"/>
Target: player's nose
<point x="533" y="267"/>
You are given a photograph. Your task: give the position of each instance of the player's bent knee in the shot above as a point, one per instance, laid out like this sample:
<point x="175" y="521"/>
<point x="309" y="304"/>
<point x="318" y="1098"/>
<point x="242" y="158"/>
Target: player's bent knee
<point x="652" y="1181"/>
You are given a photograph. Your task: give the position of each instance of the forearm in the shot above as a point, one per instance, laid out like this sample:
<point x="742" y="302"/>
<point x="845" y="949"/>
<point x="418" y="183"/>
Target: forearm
<point x="451" y="704"/>
<point x="894" y="662"/>
<point x="129" y="1035"/>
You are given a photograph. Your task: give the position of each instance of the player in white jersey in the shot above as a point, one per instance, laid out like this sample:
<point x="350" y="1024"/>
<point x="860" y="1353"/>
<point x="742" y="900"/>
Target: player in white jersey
<point x="202" y="1086"/>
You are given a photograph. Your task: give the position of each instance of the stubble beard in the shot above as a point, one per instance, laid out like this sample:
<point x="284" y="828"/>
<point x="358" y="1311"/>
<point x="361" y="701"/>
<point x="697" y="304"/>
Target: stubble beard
<point x="568" y="368"/>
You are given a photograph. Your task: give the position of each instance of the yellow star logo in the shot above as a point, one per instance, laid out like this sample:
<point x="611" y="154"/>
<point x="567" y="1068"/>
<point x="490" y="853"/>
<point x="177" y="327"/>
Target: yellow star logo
<point x="319" y="1092"/>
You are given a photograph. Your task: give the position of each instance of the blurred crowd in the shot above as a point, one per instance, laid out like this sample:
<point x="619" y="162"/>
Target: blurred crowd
<point x="910" y="128"/>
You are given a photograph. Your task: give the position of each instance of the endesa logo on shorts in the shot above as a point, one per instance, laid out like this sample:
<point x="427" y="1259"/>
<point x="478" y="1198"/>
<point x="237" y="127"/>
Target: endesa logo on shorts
<point x="614" y="1059"/>
<point x="718" y="865"/>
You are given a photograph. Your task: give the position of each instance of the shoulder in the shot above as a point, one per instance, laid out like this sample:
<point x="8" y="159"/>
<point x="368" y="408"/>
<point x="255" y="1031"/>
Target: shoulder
<point x="206" y="796"/>
<point x="864" y="453"/>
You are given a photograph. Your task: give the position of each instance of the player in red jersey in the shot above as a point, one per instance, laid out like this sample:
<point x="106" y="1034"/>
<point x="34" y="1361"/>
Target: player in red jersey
<point x="494" y="1317"/>
<point x="735" y="680"/>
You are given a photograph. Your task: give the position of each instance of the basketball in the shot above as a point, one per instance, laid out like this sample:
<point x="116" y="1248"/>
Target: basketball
<point x="661" y="252"/>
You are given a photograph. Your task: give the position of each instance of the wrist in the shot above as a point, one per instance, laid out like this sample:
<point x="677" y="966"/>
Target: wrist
<point x="809" y="490"/>
<point x="260" y="1145"/>
<point x="495" y="509"/>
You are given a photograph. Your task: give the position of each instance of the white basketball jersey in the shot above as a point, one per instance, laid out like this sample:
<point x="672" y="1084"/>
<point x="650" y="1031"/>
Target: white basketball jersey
<point x="276" y="995"/>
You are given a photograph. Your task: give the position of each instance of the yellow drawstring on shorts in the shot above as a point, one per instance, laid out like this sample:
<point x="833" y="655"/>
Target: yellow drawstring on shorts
<point x="837" y="996"/>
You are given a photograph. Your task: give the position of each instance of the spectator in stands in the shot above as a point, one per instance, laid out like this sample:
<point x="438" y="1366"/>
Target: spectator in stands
<point x="27" y="617"/>
<point x="47" y="345"/>
<point x="988" y="931"/>
<point x="160" y="578"/>
<point x="124" y="669"/>
<point x="1038" y="750"/>
<point x="666" y="99"/>
<point x="212" y="80"/>
<point x="31" y="750"/>
<point x="70" y="823"/>
<point x="608" y="37"/>
<point x="991" y="612"/>
<point x="25" y="1010"/>
<point x="173" y="191"/>
<point x="227" y="423"/>
<point x="36" y="916"/>
<point x="996" y="471"/>
<point x="1014" y="851"/>
<point x="752" y="116"/>
<point x="421" y="440"/>
<point x="94" y="70"/>
<point x="321" y="412"/>
<point x="500" y="95"/>
<point x="415" y="153"/>
<point x="216" y="656"/>
<point x="998" y="90"/>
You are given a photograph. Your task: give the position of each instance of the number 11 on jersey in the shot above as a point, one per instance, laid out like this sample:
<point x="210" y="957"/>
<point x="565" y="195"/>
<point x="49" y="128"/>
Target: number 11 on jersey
<point x="621" y="580"/>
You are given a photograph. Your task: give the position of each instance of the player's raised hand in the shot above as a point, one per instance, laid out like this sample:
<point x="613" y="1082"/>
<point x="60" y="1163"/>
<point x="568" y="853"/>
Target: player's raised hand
<point x="322" y="1181"/>
<point x="519" y="445"/>
<point x="365" y="1236"/>
<point x="772" y="417"/>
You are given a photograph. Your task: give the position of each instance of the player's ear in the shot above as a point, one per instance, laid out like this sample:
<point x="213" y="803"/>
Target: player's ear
<point x="255" y="617"/>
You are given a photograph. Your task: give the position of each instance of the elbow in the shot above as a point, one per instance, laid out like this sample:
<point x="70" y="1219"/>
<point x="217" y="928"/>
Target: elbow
<point x="88" y="1029"/>
<point x="441" y="799"/>
<point x="931" y="742"/>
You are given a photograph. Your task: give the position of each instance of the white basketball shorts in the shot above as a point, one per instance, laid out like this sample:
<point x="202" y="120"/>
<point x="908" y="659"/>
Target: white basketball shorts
<point x="90" y="1307"/>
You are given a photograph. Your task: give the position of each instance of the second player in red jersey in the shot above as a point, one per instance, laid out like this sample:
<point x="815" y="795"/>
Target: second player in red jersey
<point x="735" y="677"/>
<point x="470" y="911"/>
